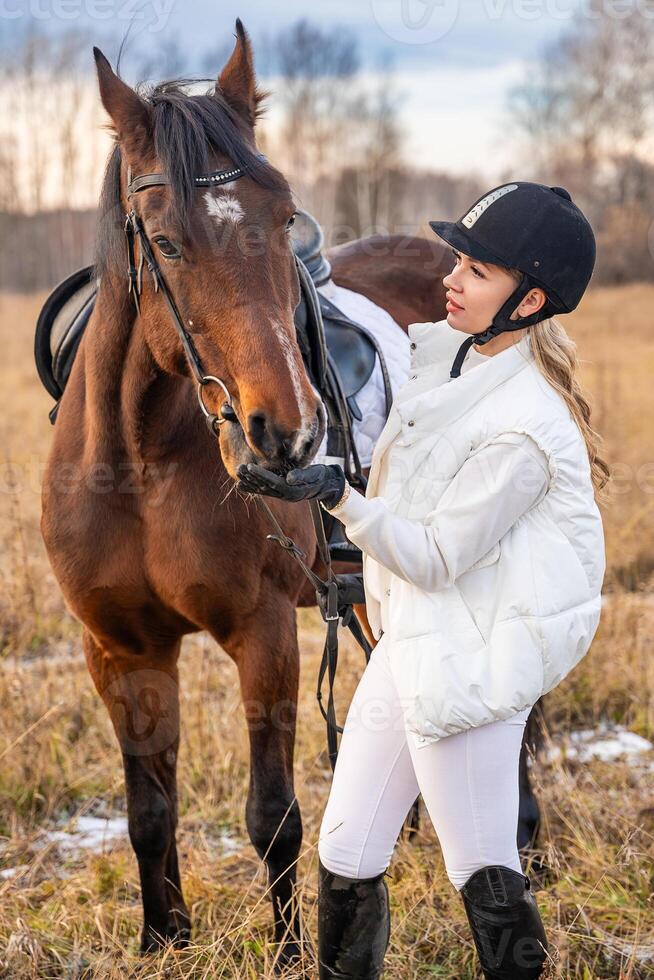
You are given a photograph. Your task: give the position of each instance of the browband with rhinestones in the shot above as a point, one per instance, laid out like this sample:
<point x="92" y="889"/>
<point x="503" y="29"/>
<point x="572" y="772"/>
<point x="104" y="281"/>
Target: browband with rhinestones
<point x="213" y="179"/>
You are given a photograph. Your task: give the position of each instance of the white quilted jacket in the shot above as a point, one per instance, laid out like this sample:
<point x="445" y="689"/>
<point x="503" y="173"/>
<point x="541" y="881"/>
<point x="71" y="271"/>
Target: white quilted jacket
<point x="506" y="629"/>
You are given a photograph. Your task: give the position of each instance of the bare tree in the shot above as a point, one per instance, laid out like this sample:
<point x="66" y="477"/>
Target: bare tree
<point x="380" y="135"/>
<point x="49" y="125"/>
<point x="583" y="118"/>
<point x="317" y="69"/>
<point x="9" y="160"/>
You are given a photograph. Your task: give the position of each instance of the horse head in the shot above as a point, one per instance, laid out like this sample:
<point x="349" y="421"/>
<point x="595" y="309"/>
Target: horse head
<point x="220" y="255"/>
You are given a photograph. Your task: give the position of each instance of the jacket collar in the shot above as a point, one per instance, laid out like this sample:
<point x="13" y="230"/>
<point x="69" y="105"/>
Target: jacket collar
<point x="438" y="400"/>
<point x="433" y="401"/>
<point x="434" y="343"/>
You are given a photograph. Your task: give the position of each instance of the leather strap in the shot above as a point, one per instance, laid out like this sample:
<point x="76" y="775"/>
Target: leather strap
<point x="135" y="228"/>
<point x="213" y="179"/>
<point x="327" y="598"/>
<point x="460" y="355"/>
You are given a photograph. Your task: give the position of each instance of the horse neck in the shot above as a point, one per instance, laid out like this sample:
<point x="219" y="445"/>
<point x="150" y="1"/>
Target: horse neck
<point x="120" y="371"/>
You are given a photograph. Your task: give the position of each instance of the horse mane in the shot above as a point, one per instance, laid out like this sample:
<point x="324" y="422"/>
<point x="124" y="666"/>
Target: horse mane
<point x="186" y="129"/>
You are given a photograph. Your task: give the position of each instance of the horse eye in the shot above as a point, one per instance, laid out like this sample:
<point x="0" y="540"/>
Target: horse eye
<point x="167" y="248"/>
<point x="291" y="220"/>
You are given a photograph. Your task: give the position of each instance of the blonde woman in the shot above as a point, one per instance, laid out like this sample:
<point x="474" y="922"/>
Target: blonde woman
<point x="483" y="559"/>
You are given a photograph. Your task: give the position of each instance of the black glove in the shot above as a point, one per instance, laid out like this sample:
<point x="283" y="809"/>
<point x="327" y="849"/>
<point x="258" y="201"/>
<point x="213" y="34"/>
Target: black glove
<point x="350" y="589"/>
<point x="349" y="592"/>
<point x="326" y="483"/>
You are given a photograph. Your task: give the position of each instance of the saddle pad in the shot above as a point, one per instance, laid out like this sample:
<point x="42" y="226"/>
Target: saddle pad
<point x="394" y="343"/>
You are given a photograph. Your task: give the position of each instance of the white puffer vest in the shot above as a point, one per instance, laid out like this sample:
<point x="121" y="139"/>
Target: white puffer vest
<point x="512" y="626"/>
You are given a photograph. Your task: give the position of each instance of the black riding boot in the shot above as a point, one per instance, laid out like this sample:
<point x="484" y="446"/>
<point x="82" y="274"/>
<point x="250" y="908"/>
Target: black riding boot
<point x="506" y="924"/>
<point x="353" y="926"/>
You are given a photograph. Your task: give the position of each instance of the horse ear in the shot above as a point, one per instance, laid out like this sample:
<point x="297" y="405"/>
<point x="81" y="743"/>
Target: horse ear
<point x="237" y="82"/>
<point x="130" y="115"/>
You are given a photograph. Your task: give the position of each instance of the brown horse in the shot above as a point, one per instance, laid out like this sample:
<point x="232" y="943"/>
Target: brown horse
<point x="145" y="541"/>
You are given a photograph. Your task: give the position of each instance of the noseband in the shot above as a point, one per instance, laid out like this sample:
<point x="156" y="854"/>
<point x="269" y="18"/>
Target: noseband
<point x="134" y="229"/>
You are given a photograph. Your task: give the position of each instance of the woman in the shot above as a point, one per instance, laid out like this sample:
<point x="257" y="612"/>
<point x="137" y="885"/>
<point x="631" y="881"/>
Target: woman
<point x="483" y="557"/>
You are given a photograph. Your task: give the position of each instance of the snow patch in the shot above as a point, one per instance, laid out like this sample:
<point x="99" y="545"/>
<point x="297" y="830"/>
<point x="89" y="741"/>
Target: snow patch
<point x="606" y="743"/>
<point x="96" y="834"/>
<point x="88" y="834"/>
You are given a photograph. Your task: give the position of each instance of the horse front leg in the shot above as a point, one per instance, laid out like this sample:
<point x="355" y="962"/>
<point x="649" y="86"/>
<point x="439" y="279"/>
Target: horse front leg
<point x="141" y="695"/>
<point x="267" y="658"/>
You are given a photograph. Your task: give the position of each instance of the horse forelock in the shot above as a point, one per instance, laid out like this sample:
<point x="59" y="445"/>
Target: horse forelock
<point x="187" y="130"/>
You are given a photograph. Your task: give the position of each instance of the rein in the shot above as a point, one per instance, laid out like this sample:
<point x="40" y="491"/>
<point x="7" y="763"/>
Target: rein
<point x="326" y="591"/>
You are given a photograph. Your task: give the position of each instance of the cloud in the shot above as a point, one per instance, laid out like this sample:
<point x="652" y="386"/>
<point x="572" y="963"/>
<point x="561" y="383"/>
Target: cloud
<point x="455" y="120"/>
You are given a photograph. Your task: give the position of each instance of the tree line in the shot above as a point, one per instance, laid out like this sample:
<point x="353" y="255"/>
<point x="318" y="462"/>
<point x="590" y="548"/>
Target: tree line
<point x="582" y="118"/>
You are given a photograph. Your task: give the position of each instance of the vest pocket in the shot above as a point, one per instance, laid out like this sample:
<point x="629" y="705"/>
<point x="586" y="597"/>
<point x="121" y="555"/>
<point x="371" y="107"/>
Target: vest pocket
<point x="471" y="616"/>
<point x="471" y="586"/>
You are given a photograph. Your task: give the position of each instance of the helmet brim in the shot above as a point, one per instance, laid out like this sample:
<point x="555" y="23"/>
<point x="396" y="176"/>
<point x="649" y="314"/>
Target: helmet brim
<point x="451" y="233"/>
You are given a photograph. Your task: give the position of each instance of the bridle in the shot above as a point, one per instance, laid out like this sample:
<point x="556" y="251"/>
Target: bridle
<point x="326" y="591"/>
<point x="134" y="229"/>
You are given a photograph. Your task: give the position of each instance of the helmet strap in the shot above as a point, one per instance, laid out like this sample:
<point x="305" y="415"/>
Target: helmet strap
<point x="502" y="322"/>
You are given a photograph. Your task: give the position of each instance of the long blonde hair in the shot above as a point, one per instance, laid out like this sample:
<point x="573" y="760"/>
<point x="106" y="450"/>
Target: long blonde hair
<point x="555" y="353"/>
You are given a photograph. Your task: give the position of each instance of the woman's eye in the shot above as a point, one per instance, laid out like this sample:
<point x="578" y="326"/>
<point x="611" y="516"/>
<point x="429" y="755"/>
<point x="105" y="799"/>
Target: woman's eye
<point x="477" y="272"/>
<point x="167" y="248"/>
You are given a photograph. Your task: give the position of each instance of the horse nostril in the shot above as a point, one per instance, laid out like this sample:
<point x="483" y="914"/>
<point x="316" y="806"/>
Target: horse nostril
<point x="273" y="442"/>
<point x="312" y="440"/>
<point x="257" y="428"/>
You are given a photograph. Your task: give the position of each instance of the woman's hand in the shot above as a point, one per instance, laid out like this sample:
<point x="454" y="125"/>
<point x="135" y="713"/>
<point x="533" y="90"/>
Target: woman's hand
<point x="320" y="482"/>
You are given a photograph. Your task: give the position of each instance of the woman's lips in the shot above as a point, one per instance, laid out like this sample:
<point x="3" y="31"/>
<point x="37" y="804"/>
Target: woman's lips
<point x="452" y="307"/>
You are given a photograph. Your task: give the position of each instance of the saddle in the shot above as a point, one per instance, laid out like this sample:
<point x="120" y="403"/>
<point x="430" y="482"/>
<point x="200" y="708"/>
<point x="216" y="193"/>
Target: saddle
<point x="338" y="353"/>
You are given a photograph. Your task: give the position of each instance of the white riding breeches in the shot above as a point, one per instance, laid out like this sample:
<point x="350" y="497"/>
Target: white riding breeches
<point x="469" y="784"/>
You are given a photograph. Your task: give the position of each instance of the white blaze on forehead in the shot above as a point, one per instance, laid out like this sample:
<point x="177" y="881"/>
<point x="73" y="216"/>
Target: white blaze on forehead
<point x="225" y="206"/>
<point x="290" y="354"/>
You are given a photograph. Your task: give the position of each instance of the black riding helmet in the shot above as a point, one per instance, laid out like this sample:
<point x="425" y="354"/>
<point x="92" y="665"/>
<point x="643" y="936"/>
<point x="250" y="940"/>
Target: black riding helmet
<point x="536" y="229"/>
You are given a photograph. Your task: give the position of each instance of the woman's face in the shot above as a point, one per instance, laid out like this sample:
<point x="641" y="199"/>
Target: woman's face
<point x="476" y="291"/>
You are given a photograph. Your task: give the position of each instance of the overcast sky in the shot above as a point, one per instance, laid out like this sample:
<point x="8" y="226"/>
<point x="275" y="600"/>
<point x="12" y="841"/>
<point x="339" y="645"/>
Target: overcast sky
<point x="454" y="62"/>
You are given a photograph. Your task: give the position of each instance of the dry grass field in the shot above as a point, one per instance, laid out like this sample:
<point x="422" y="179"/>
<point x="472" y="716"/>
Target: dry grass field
<point x="70" y="908"/>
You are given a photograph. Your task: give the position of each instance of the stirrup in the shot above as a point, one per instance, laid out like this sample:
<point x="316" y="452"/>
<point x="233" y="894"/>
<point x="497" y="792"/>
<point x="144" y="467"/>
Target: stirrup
<point x="353" y="926"/>
<point x="506" y="924"/>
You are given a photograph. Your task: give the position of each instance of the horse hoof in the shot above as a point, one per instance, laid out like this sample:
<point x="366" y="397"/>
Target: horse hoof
<point x="154" y="942"/>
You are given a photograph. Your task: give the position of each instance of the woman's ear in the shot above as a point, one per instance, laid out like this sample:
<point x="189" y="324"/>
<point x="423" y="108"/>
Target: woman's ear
<point x="532" y="303"/>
